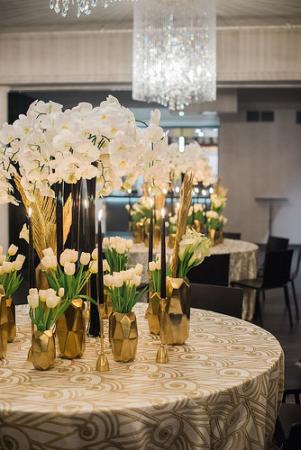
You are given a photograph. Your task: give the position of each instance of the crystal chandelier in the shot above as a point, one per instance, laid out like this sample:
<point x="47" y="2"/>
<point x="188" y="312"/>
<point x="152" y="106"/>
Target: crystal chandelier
<point x="83" y="6"/>
<point x="174" y="52"/>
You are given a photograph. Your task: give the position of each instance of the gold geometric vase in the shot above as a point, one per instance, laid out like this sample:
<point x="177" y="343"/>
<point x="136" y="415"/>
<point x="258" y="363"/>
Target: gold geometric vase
<point x="175" y="316"/>
<point x="70" y="330"/>
<point x="42" y="351"/>
<point x="3" y="327"/>
<point x="153" y="313"/>
<point x="11" y="316"/>
<point x="124" y="336"/>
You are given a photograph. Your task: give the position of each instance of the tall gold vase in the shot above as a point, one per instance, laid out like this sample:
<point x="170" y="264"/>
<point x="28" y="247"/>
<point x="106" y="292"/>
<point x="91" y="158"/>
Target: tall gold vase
<point x="70" y="328"/>
<point x="11" y="317"/>
<point x="139" y="232"/>
<point x="157" y="235"/>
<point x="42" y="351"/>
<point x="124" y="336"/>
<point x="153" y="312"/>
<point x="175" y="315"/>
<point x="3" y="327"/>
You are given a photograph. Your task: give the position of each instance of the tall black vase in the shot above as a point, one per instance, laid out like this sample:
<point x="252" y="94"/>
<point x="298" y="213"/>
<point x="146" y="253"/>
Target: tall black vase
<point x="94" y="326"/>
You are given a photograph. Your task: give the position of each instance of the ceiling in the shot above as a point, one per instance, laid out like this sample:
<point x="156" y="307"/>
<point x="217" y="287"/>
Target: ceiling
<point x="29" y="15"/>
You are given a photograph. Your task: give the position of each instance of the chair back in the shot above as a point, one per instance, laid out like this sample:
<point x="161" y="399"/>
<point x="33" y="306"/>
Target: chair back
<point x="213" y="270"/>
<point x="277" y="268"/>
<point x="276" y="243"/>
<point x="298" y="263"/>
<point x="220" y="299"/>
<point x="231" y="235"/>
<point x="294" y="439"/>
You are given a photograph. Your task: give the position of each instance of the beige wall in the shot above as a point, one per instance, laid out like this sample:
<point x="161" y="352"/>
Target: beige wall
<point x="262" y="159"/>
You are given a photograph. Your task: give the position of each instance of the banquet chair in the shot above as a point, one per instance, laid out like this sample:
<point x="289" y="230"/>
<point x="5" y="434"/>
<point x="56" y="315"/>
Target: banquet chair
<point x="276" y="243"/>
<point x="289" y="425"/>
<point x="231" y="235"/>
<point x="213" y="270"/>
<point x="276" y="274"/>
<point x="293" y="277"/>
<point x="219" y="299"/>
<point x="292" y="384"/>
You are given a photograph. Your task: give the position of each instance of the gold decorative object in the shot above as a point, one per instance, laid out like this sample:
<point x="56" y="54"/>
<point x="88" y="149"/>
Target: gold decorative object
<point x="198" y="226"/>
<point x="3" y="327"/>
<point x="175" y="314"/>
<point x="171" y="240"/>
<point x="211" y="234"/>
<point x="139" y="233"/>
<point x="42" y="351"/>
<point x="124" y="336"/>
<point x="106" y="308"/>
<point x="70" y="328"/>
<point x="153" y="312"/>
<point x="162" y="354"/>
<point x="157" y="235"/>
<point x="102" y="364"/>
<point x="216" y="236"/>
<point x="11" y="317"/>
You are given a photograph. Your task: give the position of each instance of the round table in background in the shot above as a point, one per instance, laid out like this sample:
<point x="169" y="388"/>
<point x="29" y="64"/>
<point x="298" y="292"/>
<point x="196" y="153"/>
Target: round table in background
<point x="219" y="391"/>
<point x="242" y="265"/>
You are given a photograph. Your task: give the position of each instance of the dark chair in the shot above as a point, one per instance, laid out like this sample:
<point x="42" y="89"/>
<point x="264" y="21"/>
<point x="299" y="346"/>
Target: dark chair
<point x="220" y="299"/>
<point x="292" y="281"/>
<point x="276" y="274"/>
<point x="276" y="244"/>
<point x="213" y="270"/>
<point x="230" y="235"/>
<point x="289" y="424"/>
<point x="292" y="384"/>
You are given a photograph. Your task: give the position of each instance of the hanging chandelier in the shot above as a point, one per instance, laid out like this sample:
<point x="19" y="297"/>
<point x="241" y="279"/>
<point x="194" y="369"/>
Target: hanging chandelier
<point x="83" y="6"/>
<point x="174" y="52"/>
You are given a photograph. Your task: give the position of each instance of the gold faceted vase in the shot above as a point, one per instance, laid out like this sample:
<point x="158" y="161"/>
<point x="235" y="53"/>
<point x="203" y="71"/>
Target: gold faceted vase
<point x="3" y="327"/>
<point x="124" y="336"/>
<point x="11" y="317"/>
<point x="198" y="226"/>
<point x="175" y="315"/>
<point x="42" y="351"/>
<point x="106" y="308"/>
<point x="138" y="232"/>
<point x="70" y="329"/>
<point x="153" y="312"/>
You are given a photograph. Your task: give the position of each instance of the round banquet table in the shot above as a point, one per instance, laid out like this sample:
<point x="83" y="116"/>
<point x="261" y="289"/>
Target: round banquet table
<point x="219" y="391"/>
<point x="242" y="265"/>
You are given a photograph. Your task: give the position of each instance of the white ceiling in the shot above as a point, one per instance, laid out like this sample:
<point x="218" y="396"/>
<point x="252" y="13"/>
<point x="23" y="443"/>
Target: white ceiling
<point x="35" y="15"/>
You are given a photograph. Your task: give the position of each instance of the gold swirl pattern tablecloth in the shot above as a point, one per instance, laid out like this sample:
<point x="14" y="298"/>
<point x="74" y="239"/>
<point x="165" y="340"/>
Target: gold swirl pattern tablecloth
<point x="242" y="265"/>
<point x="219" y="391"/>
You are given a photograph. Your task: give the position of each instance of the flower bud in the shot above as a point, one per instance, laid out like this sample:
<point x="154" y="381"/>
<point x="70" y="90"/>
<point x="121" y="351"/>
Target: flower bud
<point x="12" y="250"/>
<point x="69" y="268"/>
<point x="85" y="258"/>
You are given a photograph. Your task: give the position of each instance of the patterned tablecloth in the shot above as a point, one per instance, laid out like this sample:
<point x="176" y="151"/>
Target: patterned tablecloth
<point x="242" y="265"/>
<point x="219" y="391"/>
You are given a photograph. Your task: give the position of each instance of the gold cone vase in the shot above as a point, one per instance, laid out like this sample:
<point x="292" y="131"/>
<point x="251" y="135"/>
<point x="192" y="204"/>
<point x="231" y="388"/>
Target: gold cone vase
<point x="42" y="351"/>
<point x="153" y="312"/>
<point x="139" y="232"/>
<point x="3" y="327"/>
<point x="175" y="316"/>
<point x="11" y="317"/>
<point x="124" y="336"/>
<point x="70" y="330"/>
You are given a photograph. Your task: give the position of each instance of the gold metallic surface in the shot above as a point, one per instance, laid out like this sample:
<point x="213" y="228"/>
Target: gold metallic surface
<point x="3" y="327"/>
<point x="171" y="240"/>
<point x="102" y="364"/>
<point x="157" y="235"/>
<point x="70" y="329"/>
<point x="162" y="355"/>
<point x="216" y="236"/>
<point x="198" y="226"/>
<point x="42" y="351"/>
<point x="153" y="313"/>
<point x="175" y="314"/>
<point x="106" y="308"/>
<point x="124" y="336"/>
<point x="11" y="316"/>
<point x="138" y="232"/>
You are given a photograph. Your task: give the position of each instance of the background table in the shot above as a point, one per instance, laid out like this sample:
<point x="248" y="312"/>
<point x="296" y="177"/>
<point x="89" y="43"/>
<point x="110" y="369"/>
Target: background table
<point x="220" y="391"/>
<point x="242" y="265"/>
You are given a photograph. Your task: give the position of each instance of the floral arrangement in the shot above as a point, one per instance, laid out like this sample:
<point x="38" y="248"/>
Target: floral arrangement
<point x="141" y="210"/>
<point x="215" y="221"/>
<point x="72" y="274"/>
<point x="154" y="268"/>
<point x="46" y="306"/>
<point x="10" y="279"/>
<point x="122" y="287"/>
<point x="194" y="248"/>
<point x="116" y="250"/>
<point x="218" y="202"/>
<point x="196" y="212"/>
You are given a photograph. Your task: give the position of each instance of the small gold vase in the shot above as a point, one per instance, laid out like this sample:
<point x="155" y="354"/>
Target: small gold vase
<point x="198" y="226"/>
<point x="11" y="316"/>
<point x="212" y="235"/>
<point x="124" y="336"/>
<point x="175" y="315"/>
<point x="70" y="329"/>
<point x="171" y="240"/>
<point x="3" y="327"/>
<point x="139" y="232"/>
<point x="106" y="308"/>
<point x="42" y="351"/>
<point x="153" y="312"/>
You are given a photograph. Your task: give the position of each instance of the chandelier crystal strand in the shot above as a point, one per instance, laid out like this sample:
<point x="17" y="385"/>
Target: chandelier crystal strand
<point x="174" y="52"/>
<point x="83" y="6"/>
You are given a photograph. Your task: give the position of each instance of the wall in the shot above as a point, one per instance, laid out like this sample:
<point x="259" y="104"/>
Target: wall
<point x="3" y="208"/>
<point x="263" y="159"/>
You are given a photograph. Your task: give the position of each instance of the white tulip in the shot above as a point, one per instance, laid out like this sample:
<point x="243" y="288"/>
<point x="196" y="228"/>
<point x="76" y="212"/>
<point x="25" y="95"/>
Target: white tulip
<point x="63" y="259"/>
<point x="69" y="268"/>
<point x="52" y="301"/>
<point x="138" y="269"/>
<point x="43" y="295"/>
<point x="93" y="267"/>
<point x="20" y="261"/>
<point x="95" y="254"/>
<point x="120" y="248"/>
<point x="12" y="250"/>
<point x="8" y="267"/>
<point x="61" y="292"/>
<point x="152" y="266"/>
<point x="49" y="262"/>
<point x="158" y="264"/>
<point x="2" y="259"/>
<point x="85" y="258"/>
<point x="33" y="291"/>
<point x="48" y="252"/>
<point x="106" y="243"/>
<point x="73" y="255"/>
<point x="129" y="244"/>
<point x="24" y="233"/>
<point x="105" y="266"/>
<point x="117" y="280"/>
<point x="137" y="280"/>
<point x="33" y="301"/>
<point x="107" y="280"/>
